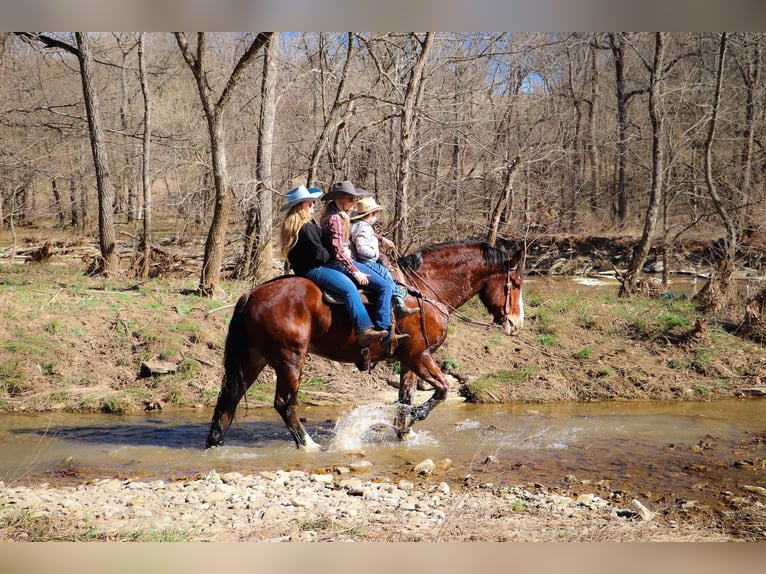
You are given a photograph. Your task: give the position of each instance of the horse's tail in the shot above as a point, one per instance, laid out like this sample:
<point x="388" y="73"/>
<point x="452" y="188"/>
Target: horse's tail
<point x="235" y="351"/>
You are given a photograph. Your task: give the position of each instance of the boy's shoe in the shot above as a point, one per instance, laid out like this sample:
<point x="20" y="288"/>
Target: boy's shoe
<point x="404" y="311"/>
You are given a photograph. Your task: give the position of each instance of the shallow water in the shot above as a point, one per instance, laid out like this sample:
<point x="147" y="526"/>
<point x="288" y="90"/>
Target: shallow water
<point x="663" y="451"/>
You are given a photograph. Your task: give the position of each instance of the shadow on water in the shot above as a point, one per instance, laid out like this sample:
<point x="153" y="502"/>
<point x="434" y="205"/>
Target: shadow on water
<point x="159" y="433"/>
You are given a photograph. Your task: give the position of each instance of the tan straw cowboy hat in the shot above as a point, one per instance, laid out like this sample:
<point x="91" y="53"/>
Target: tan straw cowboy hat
<point x="365" y="206"/>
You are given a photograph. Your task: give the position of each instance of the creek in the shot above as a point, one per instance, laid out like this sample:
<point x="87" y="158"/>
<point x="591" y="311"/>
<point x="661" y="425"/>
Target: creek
<point x="663" y="452"/>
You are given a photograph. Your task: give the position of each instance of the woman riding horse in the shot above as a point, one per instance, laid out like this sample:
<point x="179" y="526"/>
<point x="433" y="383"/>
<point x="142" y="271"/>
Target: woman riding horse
<point x="280" y="321"/>
<point x="302" y="244"/>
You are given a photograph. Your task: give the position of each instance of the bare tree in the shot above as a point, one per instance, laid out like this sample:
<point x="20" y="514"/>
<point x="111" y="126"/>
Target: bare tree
<point x="335" y="117"/>
<point x="751" y="76"/>
<point x="713" y="295"/>
<point x="506" y="199"/>
<point x="617" y="43"/>
<point x="401" y="231"/>
<point x="641" y="250"/>
<point x="214" y="111"/>
<point x="257" y="256"/>
<point x="146" y="181"/>
<point x="106" y="235"/>
<point x="110" y="262"/>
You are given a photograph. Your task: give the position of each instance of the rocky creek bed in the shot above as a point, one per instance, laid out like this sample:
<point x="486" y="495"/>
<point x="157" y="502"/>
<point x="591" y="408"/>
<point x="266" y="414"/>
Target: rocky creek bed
<point x="341" y="505"/>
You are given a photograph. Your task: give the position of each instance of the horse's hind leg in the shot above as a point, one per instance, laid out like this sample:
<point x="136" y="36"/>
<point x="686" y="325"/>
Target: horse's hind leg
<point x="286" y="398"/>
<point x="233" y="388"/>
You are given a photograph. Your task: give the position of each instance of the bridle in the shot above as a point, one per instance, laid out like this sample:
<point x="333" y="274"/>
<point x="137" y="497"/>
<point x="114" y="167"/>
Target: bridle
<point x="447" y="309"/>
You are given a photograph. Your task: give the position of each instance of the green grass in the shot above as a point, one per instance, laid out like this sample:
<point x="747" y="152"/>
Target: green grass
<point x="450" y="363"/>
<point x="120" y="404"/>
<point x="584" y="353"/>
<point x="496" y="383"/>
<point x="546" y="340"/>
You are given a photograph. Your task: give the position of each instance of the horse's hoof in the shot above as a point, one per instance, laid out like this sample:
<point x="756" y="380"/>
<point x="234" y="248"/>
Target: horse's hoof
<point x="406" y="434"/>
<point x="310" y="445"/>
<point x="214" y="439"/>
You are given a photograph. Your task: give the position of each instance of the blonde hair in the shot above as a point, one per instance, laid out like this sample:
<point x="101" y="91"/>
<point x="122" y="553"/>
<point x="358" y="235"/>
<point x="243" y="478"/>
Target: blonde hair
<point x="333" y="208"/>
<point x="296" y="218"/>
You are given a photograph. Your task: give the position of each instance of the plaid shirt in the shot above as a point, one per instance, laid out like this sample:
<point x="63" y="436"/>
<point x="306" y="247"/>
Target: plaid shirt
<point x="335" y="230"/>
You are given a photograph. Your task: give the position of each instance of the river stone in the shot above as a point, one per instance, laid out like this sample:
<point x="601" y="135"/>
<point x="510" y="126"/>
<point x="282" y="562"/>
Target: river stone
<point x="424" y="467"/>
<point x="361" y="466"/>
<point x="642" y="511"/>
<point x="152" y="368"/>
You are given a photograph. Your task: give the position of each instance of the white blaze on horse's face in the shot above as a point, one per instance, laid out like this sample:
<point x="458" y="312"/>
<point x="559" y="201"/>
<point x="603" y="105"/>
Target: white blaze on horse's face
<point x="515" y="323"/>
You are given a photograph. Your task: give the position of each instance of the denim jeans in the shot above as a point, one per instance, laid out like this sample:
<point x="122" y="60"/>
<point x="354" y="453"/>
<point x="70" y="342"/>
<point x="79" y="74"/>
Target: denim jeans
<point x="382" y="288"/>
<point x="338" y="282"/>
<point x="382" y="270"/>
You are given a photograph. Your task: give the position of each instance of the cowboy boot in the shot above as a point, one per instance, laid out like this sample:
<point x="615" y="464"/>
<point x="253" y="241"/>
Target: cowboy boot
<point x="368" y="336"/>
<point x="400" y="306"/>
<point x="394" y="339"/>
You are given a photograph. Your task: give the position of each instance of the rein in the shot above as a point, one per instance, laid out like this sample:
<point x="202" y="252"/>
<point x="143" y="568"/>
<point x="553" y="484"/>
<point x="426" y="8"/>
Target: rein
<point x="447" y="309"/>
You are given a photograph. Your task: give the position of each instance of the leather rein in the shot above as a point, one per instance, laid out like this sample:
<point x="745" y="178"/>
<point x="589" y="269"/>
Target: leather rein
<point x="447" y="309"/>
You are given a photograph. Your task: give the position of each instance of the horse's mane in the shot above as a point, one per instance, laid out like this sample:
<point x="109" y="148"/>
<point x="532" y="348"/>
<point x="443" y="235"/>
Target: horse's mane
<point x="493" y="256"/>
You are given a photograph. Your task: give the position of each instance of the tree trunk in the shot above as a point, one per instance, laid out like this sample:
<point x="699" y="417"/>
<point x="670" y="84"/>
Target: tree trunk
<point x="332" y="122"/>
<point x="713" y="295"/>
<point x="211" y="266"/>
<point x="595" y="161"/>
<point x="753" y="74"/>
<point x="641" y="251"/>
<point x="503" y="202"/>
<point x="57" y="201"/>
<point x="258" y="256"/>
<point x="618" y="52"/>
<point x="106" y="233"/>
<point x="146" y="181"/>
<point x="401" y="214"/>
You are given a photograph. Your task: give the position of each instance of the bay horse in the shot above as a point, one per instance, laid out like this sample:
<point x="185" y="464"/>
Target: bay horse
<point x="280" y="321"/>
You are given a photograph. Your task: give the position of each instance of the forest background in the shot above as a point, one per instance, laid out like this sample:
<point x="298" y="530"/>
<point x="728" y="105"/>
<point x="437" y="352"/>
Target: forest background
<point x="516" y="135"/>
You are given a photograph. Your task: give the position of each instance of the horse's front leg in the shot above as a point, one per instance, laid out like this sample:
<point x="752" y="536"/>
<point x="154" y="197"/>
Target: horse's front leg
<point x="427" y="369"/>
<point x="407" y="384"/>
<point x="286" y="398"/>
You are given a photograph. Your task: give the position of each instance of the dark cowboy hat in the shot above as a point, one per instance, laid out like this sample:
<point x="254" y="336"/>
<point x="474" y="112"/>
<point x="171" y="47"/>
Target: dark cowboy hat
<point x="341" y="188"/>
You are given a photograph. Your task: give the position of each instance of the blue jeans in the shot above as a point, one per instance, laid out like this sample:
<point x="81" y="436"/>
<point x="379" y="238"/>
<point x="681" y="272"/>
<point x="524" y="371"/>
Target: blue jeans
<point x="383" y="290"/>
<point x="383" y="271"/>
<point x="338" y="282"/>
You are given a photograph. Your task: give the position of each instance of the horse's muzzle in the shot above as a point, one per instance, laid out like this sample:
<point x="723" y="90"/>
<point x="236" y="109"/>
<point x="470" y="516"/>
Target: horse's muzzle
<point x="512" y="325"/>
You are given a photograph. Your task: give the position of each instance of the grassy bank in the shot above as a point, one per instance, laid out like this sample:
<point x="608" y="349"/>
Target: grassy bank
<point x="78" y="343"/>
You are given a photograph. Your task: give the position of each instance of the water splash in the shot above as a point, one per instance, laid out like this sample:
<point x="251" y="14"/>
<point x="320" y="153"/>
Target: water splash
<point x="365" y="424"/>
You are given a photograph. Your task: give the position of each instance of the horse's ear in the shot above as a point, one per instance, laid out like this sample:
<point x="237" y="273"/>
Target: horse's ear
<point x="517" y="262"/>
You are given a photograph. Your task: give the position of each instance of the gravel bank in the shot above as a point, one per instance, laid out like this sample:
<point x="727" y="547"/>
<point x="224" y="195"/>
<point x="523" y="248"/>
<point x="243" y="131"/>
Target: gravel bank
<point x="300" y="506"/>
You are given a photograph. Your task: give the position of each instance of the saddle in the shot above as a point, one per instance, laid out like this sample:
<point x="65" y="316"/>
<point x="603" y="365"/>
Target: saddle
<point x="332" y="298"/>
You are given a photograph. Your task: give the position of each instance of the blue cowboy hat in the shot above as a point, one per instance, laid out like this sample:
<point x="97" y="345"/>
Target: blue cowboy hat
<point x="342" y="188"/>
<point x="299" y="194"/>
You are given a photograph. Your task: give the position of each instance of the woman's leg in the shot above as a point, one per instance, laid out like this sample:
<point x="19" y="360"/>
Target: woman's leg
<point x="384" y="290"/>
<point x="338" y="282"/>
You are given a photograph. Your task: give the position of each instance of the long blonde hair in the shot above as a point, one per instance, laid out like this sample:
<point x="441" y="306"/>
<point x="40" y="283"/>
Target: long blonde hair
<point x="333" y="208"/>
<point x="296" y="218"/>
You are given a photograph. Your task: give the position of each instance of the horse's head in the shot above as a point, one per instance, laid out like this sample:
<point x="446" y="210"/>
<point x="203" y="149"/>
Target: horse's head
<point x="501" y="295"/>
